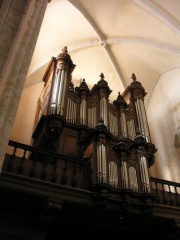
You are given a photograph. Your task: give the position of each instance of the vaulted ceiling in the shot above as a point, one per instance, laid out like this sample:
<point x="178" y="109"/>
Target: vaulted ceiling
<point x="113" y="37"/>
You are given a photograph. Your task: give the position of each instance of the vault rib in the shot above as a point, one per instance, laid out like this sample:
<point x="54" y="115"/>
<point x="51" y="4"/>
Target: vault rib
<point x="102" y="41"/>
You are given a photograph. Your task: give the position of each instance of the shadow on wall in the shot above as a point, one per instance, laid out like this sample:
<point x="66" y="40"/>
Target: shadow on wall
<point x="177" y="138"/>
<point x="164" y="124"/>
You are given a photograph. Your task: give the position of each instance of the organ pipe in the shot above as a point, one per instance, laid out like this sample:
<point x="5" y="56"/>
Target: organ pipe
<point x="58" y="92"/>
<point x="103" y="110"/>
<point x="131" y="129"/>
<point x="92" y="117"/>
<point x="142" y="120"/>
<point x="71" y="111"/>
<point x="113" y="125"/>
<point x="144" y="174"/>
<point x="113" y="174"/>
<point x="101" y="163"/>
<point x="133" y="179"/>
<point x="123" y="125"/>
<point x="124" y="175"/>
<point x="83" y="111"/>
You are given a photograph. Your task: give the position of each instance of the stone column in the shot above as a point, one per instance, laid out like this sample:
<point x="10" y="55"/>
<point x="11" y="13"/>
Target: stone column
<point x="20" y="23"/>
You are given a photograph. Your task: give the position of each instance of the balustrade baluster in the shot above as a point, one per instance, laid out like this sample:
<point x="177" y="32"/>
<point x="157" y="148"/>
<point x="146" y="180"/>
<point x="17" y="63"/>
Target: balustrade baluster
<point x="21" y="165"/>
<point x="33" y="168"/>
<point x="44" y="170"/>
<point x="176" y="197"/>
<point x="170" y="196"/>
<point x="157" y="192"/>
<point x="64" y="174"/>
<point x="164" y="195"/>
<point x="10" y="167"/>
<point x="54" y="173"/>
<point x="74" y="176"/>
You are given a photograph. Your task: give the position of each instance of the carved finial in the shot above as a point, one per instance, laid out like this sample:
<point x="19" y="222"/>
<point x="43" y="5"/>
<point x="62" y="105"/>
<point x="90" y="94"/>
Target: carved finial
<point x="138" y="132"/>
<point x="83" y="79"/>
<point x="119" y="93"/>
<point x="133" y="77"/>
<point x="102" y="76"/>
<point x="64" y="50"/>
<point x="101" y="120"/>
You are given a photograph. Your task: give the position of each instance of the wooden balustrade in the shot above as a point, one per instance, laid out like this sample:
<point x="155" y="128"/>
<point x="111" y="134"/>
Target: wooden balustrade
<point x="36" y="163"/>
<point x="166" y="192"/>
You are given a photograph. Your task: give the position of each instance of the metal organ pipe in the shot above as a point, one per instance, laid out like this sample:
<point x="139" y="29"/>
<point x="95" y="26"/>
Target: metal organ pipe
<point x="144" y="174"/>
<point x="92" y="117"/>
<point x="101" y="163"/>
<point x="62" y="91"/>
<point x="73" y="115"/>
<point x="142" y="119"/>
<point x="103" y="110"/>
<point x="146" y="128"/>
<point x="54" y="93"/>
<point x="75" y="112"/>
<point x="113" y="174"/>
<point x="113" y="124"/>
<point x="133" y="179"/>
<point x="89" y="117"/>
<point x="68" y="110"/>
<point x="131" y="129"/>
<point x="123" y="125"/>
<point x="58" y="92"/>
<point x="83" y="111"/>
<point x="124" y="174"/>
<point x="71" y="111"/>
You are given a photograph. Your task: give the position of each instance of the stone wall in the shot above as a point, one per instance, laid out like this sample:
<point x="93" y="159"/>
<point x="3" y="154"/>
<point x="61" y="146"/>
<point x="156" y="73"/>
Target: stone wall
<point x="20" y="22"/>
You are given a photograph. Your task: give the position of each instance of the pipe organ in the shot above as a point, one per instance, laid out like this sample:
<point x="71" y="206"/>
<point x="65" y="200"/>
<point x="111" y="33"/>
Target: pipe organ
<point x="82" y="123"/>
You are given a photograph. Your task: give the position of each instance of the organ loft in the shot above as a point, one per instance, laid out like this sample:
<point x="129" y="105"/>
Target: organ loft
<point x="86" y="173"/>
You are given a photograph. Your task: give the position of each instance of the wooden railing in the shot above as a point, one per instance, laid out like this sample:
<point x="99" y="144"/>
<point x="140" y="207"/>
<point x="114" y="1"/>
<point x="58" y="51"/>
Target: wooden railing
<point x="48" y="166"/>
<point x="166" y="192"/>
<point x="32" y="162"/>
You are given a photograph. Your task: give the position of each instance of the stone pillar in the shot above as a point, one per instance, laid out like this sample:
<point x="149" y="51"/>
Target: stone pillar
<point x="20" y="23"/>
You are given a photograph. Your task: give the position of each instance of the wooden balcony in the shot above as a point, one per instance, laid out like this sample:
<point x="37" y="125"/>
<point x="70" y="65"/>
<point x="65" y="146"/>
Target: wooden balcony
<point x="39" y="184"/>
<point x="38" y="170"/>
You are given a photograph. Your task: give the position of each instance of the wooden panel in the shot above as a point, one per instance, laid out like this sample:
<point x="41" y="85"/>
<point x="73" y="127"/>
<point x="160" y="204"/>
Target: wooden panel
<point x="68" y="144"/>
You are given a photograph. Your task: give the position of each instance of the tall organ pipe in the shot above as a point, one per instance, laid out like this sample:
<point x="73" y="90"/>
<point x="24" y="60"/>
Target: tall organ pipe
<point x="113" y="174"/>
<point x="124" y="174"/>
<point x="144" y="174"/>
<point x="83" y="93"/>
<point x="142" y="119"/>
<point x="121" y="106"/>
<point x="83" y="111"/>
<point x="103" y="110"/>
<point x="101" y="163"/>
<point x="131" y="129"/>
<point x="58" y="92"/>
<point x="123" y="125"/>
